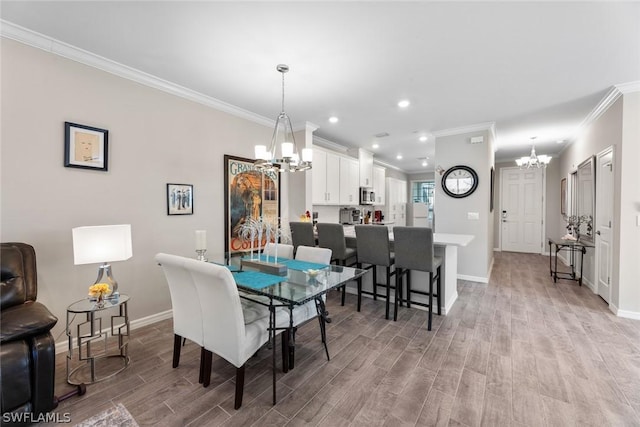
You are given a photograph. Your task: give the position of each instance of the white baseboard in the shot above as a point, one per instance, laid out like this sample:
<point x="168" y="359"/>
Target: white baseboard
<point x="589" y="285"/>
<point x="497" y="250"/>
<point x="473" y="278"/>
<point x="63" y="346"/>
<point x="490" y="268"/>
<point x="624" y="313"/>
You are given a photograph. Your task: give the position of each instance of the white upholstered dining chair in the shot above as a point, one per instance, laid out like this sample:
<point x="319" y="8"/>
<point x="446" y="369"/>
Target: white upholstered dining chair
<point x="309" y="310"/>
<point x="283" y="250"/>
<point x="187" y="317"/>
<point x="233" y="328"/>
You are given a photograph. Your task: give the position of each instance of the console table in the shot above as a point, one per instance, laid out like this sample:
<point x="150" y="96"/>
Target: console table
<point x="114" y="358"/>
<point x="571" y="246"/>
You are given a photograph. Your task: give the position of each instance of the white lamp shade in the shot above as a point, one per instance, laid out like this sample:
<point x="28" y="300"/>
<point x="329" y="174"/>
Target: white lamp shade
<point x="307" y="154"/>
<point x="287" y="149"/>
<point x="102" y="243"/>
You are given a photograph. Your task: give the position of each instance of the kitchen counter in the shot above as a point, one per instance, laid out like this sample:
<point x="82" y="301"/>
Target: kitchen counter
<point x="445" y="246"/>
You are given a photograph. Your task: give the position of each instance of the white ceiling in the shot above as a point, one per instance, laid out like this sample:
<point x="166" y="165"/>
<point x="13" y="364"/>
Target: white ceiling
<point x="535" y="69"/>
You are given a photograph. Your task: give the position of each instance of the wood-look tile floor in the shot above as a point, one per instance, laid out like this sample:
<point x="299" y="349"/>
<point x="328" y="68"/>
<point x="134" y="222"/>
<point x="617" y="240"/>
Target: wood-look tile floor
<point x="519" y="351"/>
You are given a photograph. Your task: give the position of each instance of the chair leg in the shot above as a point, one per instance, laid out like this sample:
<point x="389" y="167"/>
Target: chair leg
<point x="375" y="282"/>
<point x="284" y="338"/>
<point x="359" y="292"/>
<point x="202" y="360"/>
<point x="239" y="386"/>
<point x="344" y="288"/>
<point x="439" y="293"/>
<point x="396" y="295"/>
<point x="430" y="300"/>
<point x="408" y="288"/>
<point x="398" y="286"/>
<point x="388" y="303"/>
<point x="208" y="360"/>
<point x="176" y="350"/>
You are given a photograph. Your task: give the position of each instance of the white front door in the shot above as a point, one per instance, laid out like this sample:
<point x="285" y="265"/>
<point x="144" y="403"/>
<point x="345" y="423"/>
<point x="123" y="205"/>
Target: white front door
<point x="521" y="214"/>
<point x="604" y="222"/>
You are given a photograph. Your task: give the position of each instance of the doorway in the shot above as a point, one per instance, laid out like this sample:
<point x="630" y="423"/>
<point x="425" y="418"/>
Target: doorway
<point x="521" y="210"/>
<point x="604" y="222"/>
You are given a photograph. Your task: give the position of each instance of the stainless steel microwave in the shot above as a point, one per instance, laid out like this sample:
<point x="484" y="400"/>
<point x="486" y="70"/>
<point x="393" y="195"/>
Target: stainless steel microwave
<point x="367" y="196"/>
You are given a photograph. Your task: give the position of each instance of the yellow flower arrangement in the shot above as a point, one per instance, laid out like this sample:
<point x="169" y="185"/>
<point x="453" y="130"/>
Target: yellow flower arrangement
<point x="99" y="290"/>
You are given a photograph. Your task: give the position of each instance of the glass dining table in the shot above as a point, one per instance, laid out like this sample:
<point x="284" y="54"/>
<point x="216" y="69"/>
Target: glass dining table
<point x="302" y="283"/>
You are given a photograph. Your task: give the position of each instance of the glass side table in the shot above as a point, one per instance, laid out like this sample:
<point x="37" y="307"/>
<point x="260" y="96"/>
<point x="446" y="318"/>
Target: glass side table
<point x="99" y="357"/>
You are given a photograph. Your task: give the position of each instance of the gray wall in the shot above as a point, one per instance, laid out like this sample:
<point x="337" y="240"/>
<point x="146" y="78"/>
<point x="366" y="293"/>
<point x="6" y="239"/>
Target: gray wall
<point x="154" y="139"/>
<point x="451" y="214"/>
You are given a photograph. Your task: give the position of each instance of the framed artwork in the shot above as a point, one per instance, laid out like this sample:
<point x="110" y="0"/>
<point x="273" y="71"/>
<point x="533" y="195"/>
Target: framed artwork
<point x="563" y="196"/>
<point x="248" y="195"/>
<point x="179" y="199"/>
<point x="85" y="147"/>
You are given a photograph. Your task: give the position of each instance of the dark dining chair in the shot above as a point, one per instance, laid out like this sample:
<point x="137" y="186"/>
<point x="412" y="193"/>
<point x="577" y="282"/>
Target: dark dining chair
<point x="302" y="234"/>
<point x="413" y="248"/>
<point x="331" y="236"/>
<point x="373" y="248"/>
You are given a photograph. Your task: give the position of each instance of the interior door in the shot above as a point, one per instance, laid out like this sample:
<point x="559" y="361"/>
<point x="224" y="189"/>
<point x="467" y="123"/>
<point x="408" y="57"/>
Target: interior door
<point x="604" y="222"/>
<point x="521" y="210"/>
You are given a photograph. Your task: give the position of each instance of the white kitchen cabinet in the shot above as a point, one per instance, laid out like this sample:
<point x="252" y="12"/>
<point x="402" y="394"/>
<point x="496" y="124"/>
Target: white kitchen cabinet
<point x="379" y="185"/>
<point x="366" y="168"/>
<point x="349" y="180"/>
<point x="396" y="201"/>
<point x="325" y="181"/>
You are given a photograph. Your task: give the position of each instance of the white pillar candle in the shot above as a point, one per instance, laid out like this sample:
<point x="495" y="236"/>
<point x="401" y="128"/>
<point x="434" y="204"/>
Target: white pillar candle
<point x="201" y="239"/>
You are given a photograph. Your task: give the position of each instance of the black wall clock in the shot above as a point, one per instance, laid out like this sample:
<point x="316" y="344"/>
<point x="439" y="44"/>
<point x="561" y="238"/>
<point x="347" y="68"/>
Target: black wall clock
<point x="459" y="181"/>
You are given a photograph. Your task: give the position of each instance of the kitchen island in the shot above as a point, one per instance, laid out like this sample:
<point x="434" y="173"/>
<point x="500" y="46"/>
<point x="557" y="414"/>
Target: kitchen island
<point x="445" y="246"/>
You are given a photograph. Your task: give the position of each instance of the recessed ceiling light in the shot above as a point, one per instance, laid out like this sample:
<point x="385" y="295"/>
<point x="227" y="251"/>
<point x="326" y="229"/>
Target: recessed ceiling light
<point x="423" y="138"/>
<point x="560" y="141"/>
<point x="404" y="103"/>
<point x="424" y="163"/>
<point x="375" y="146"/>
<point x="399" y="157"/>
<point x="333" y="119"/>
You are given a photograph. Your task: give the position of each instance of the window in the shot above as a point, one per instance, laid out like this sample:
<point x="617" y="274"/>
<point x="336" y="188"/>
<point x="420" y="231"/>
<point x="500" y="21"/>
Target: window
<point x="422" y="192"/>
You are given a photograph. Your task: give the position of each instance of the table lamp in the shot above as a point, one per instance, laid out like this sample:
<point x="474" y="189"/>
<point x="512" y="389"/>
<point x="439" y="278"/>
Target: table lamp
<point x="102" y="244"/>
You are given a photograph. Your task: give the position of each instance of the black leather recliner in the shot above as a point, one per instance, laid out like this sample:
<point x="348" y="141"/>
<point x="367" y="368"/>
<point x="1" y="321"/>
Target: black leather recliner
<point x="27" y="348"/>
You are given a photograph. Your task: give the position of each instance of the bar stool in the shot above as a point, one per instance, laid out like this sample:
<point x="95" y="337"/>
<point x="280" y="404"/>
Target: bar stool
<point x="302" y="234"/>
<point x="331" y="236"/>
<point x="374" y="249"/>
<point x="413" y="248"/>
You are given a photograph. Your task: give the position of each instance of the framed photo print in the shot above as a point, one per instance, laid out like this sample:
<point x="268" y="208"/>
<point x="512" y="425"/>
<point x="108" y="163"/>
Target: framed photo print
<point x="179" y="199"/>
<point x="248" y="195"/>
<point x="86" y="147"/>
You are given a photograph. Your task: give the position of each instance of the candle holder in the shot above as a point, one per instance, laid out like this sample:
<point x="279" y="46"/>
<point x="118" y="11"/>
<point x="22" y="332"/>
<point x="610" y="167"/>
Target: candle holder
<point x="201" y="253"/>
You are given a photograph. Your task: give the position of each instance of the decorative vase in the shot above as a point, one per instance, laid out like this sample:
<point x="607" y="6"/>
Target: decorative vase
<point x="100" y="301"/>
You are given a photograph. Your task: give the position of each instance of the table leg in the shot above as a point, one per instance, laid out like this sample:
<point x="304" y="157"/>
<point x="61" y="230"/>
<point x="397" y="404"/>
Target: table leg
<point x="272" y="336"/>
<point x="582" y="251"/>
<point x="323" y="318"/>
<point x="555" y="272"/>
<point x="550" y="269"/>
<point x="292" y="340"/>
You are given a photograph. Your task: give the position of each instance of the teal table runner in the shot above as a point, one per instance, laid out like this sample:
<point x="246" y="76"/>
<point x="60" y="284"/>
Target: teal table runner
<point x="256" y="280"/>
<point x="295" y="264"/>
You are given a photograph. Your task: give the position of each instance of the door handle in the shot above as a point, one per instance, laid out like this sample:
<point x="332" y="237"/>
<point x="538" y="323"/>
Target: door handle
<point x="598" y="232"/>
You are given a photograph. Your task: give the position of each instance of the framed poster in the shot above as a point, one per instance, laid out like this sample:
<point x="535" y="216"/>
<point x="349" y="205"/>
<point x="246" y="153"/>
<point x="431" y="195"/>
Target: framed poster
<point x="248" y="194"/>
<point x="179" y="199"/>
<point x="85" y="147"/>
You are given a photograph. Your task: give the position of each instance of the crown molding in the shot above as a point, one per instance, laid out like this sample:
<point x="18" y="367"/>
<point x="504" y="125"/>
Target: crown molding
<point x="23" y="35"/>
<point x="630" y="87"/>
<point x="487" y="126"/>
<point x="328" y="144"/>
<point x="387" y="165"/>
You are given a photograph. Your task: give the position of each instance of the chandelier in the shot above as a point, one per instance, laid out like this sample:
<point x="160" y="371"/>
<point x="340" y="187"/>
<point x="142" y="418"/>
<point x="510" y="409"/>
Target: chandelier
<point x="533" y="161"/>
<point x="283" y="153"/>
